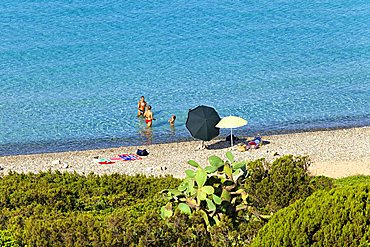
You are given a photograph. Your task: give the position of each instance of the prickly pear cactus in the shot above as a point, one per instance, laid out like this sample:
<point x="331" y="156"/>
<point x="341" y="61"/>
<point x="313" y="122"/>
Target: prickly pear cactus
<point x="214" y="190"/>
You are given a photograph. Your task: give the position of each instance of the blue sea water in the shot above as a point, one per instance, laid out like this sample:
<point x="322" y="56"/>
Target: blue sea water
<point x="71" y="72"/>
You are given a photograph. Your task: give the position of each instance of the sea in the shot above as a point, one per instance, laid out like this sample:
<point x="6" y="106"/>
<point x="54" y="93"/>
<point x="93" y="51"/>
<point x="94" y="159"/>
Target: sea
<point x="72" y="71"/>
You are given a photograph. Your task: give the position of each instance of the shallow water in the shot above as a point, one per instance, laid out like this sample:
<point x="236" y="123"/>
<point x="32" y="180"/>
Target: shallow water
<point x="71" y="73"/>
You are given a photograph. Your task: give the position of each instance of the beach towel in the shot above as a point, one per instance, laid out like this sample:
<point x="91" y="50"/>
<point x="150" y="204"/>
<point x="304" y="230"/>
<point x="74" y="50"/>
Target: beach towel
<point x="116" y="159"/>
<point x="128" y="157"/>
<point x="121" y="157"/>
<point x="104" y="161"/>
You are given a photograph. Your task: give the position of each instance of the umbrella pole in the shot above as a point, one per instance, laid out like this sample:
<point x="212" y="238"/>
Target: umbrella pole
<point x="231" y="137"/>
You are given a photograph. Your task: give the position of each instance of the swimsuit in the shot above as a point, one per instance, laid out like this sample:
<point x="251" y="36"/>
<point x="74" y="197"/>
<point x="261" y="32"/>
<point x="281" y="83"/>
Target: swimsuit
<point x="148" y="120"/>
<point x="142" y="104"/>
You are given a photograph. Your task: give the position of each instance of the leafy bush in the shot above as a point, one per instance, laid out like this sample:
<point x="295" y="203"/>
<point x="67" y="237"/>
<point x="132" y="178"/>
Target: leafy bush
<point x="352" y="180"/>
<point x="70" y="192"/>
<point x="7" y="239"/>
<point x="120" y="229"/>
<point x="277" y="185"/>
<point x="268" y="187"/>
<point x="55" y="209"/>
<point x="339" y="217"/>
<point x="321" y="183"/>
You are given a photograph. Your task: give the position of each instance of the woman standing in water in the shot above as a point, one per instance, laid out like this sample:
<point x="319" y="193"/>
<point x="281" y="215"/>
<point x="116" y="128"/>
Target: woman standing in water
<point x="149" y="116"/>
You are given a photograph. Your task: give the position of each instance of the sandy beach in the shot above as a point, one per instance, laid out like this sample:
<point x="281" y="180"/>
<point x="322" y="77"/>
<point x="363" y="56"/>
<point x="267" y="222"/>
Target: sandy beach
<point x="333" y="153"/>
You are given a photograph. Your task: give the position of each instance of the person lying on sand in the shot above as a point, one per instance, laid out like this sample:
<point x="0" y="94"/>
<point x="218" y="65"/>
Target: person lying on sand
<point x="256" y="142"/>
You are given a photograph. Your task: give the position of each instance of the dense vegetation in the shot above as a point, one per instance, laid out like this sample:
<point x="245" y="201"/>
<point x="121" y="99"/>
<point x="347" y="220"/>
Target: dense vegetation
<point x="339" y="217"/>
<point x="215" y="191"/>
<point x="55" y="209"/>
<point x="278" y="184"/>
<point x="353" y="180"/>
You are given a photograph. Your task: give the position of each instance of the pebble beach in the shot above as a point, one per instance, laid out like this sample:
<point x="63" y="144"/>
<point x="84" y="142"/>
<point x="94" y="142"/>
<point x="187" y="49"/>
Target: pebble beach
<point x="333" y="153"/>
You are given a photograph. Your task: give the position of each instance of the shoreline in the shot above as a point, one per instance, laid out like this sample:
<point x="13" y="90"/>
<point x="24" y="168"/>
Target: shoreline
<point x="334" y="153"/>
<point x="117" y="143"/>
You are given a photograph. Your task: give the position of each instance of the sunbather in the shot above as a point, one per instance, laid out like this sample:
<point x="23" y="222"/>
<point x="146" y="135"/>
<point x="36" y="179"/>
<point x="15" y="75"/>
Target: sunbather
<point x="255" y="143"/>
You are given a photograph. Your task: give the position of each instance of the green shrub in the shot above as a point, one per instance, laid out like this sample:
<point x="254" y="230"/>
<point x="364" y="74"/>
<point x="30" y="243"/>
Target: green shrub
<point x="339" y="217"/>
<point x="68" y="192"/>
<point x="321" y="183"/>
<point x="277" y="185"/>
<point x="7" y="239"/>
<point x="55" y="209"/>
<point x="352" y="180"/>
<point x="121" y="229"/>
<point x="268" y="187"/>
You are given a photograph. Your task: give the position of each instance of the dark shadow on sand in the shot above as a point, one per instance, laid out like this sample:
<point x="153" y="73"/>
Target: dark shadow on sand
<point x="222" y="144"/>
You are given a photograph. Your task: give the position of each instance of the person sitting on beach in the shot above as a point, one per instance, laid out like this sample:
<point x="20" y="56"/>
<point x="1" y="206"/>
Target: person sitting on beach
<point x="149" y="116"/>
<point x="172" y="120"/>
<point x="141" y="107"/>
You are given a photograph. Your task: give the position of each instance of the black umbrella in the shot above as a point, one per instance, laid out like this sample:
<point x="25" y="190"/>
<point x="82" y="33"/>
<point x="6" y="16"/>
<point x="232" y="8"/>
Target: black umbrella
<point x="201" y="123"/>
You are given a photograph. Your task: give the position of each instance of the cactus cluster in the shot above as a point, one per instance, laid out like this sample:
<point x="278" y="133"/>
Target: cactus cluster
<point x="213" y="191"/>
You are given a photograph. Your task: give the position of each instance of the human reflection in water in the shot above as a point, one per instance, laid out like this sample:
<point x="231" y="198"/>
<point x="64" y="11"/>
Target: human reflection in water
<point x="172" y="131"/>
<point x="145" y="132"/>
<point x="172" y="125"/>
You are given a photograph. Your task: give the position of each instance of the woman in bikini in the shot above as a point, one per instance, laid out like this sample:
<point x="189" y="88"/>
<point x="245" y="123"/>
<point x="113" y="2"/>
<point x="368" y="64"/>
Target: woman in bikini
<point x="141" y="107"/>
<point x="149" y="116"/>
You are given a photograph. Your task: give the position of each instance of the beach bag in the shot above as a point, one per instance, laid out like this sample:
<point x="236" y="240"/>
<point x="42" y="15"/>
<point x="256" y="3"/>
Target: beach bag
<point x="142" y="152"/>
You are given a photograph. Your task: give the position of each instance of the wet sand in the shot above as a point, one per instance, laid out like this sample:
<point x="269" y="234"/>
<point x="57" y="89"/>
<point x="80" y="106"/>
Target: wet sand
<point x="333" y="153"/>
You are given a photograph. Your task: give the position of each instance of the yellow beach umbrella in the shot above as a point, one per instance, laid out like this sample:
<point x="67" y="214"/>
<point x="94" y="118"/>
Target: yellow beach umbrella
<point x="231" y="122"/>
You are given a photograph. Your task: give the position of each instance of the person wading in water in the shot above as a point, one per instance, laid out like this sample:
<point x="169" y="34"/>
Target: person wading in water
<point x="149" y="116"/>
<point x="141" y="107"/>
